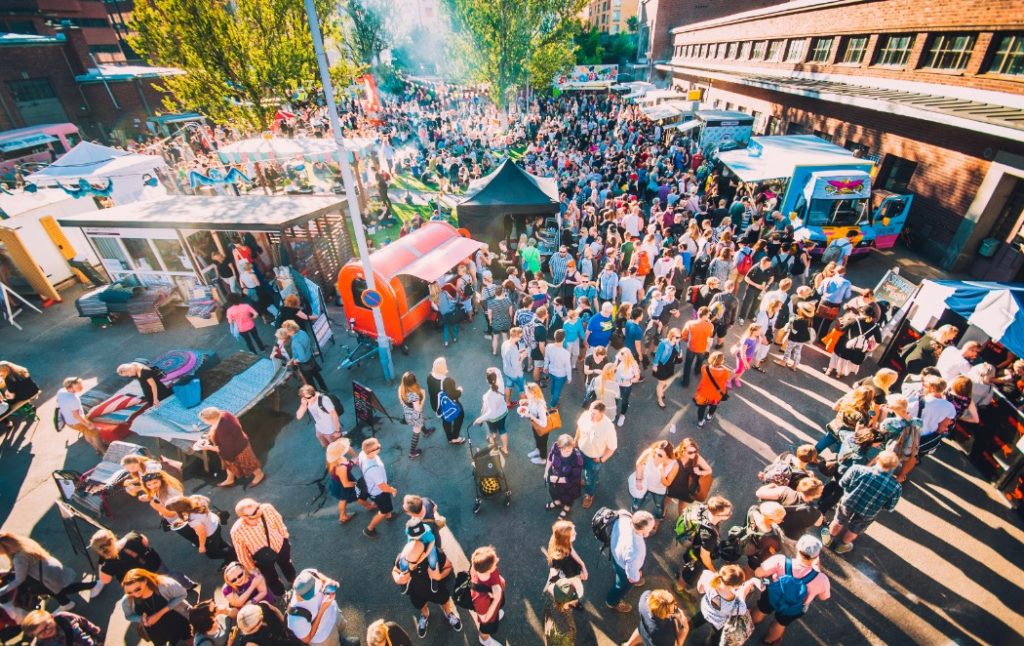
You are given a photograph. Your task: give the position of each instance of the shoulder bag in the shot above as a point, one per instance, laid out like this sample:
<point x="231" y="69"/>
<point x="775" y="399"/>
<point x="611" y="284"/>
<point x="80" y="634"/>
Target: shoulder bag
<point x="265" y="556"/>
<point x="721" y="391"/>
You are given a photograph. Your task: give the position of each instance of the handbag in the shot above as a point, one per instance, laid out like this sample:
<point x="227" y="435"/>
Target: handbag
<point x="265" y="556"/>
<point x="554" y="423"/>
<point x="827" y="312"/>
<point x="737" y="629"/>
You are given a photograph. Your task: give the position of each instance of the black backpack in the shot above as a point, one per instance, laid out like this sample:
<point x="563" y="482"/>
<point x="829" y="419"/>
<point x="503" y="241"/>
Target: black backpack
<point x="462" y="591"/>
<point x="339" y="408"/>
<point x="602" y="525"/>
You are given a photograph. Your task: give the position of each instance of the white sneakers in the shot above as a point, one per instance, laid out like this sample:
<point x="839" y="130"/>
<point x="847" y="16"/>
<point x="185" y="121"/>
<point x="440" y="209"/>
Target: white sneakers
<point x="621" y="420"/>
<point x="533" y="454"/>
<point x="538" y="460"/>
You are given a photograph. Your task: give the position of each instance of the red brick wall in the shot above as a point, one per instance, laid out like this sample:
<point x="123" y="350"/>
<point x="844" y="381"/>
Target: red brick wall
<point x="872" y="18"/>
<point x="666" y="15"/>
<point x="951" y="162"/>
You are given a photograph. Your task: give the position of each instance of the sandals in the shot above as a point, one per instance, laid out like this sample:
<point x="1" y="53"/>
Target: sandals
<point x="552" y="505"/>
<point x="346" y="519"/>
<point x="562" y="515"/>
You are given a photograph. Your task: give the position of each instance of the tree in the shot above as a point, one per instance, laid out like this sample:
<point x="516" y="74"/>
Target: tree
<point x="368" y="29"/>
<point x="241" y="58"/>
<point x="511" y="42"/>
<point x="588" y="42"/>
<point x="632" y="24"/>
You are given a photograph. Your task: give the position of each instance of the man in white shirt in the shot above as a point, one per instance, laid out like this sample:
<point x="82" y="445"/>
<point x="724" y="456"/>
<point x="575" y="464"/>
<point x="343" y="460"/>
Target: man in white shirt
<point x="321" y="410"/>
<point x="631" y="287"/>
<point x="632" y="223"/>
<point x="313" y="614"/>
<point x="558" y="365"/>
<point x="73" y="415"/>
<point x="955" y="361"/>
<point x="512" y="356"/>
<point x="597" y="441"/>
<point x="377" y="488"/>
<point x="628" y="552"/>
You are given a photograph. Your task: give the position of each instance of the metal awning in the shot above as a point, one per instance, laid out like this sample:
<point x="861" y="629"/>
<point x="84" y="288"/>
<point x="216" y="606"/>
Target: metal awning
<point x="442" y="258"/>
<point x="686" y="126"/>
<point x="26" y="142"/>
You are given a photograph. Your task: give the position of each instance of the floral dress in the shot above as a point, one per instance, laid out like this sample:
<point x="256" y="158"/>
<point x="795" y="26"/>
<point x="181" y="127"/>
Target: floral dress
<point x="413" y="417"/>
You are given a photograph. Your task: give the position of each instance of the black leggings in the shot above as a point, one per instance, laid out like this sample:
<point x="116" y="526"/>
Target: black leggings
<point x="708" y="408"/>
<point x="252" y="341"/>
<point x="541" y="441"/>
<point x="714" y="635"/>
<point x="313" y="377"/>
<point x="453" y="429"/>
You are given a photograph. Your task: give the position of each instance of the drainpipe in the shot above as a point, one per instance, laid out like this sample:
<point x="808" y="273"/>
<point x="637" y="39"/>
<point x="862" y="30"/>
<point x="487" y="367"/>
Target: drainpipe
<point x="103" y="79"/>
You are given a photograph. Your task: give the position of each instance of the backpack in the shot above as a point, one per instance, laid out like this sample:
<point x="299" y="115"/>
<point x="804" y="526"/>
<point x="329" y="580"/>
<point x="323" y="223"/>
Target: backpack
<point x="779" y="472"/>
<point x="690" y="521"/>
<point x="693" y="295"/>
<point x="339" y="408"/>
<point x="700" y="266"/>
<point x="799" y="266"/>
<point x="745" y="263"/>
<point x="788" y="594"/>
<point x="447" y="408"/>
<point x="833" y="252"/>
<point x="602" y="524"/>
<point x="462" y="592"/>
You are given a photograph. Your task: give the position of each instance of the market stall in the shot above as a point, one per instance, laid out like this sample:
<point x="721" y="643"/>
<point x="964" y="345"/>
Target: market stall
<point x="403" y="271"/>
<point x="992" y="314"/>
<point x="90" y="170"/>
<point x="38" y="251"/>
<point x="171" y="241"/>
<point x="497" y="205"/>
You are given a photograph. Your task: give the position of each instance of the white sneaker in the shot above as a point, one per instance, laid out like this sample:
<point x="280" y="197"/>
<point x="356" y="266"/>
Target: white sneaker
<point x="621" y="420"/>
<point x="537" y="460"/>
<point x="533" y="454"/>
<point x="490" y="642"/>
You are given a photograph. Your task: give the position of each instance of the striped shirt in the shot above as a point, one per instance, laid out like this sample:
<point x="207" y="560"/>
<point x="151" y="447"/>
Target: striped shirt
<point x="248" y="538"/>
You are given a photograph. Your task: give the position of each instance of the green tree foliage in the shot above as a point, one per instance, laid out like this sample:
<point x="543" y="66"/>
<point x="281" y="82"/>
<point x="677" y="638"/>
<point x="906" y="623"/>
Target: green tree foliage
<point x="597" y="48"/>
<point x="368" y="29"/>
<point x="241" y="58"/>
<point x="511" y="42"/>
<point x="633" y="24"/>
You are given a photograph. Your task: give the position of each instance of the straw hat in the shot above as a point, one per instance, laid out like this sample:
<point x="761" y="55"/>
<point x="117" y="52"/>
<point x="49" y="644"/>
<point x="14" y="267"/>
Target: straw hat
<point x="338" y="448"/>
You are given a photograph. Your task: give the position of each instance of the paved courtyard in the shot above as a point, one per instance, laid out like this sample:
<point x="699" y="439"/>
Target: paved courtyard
<point x="946" y="567"/>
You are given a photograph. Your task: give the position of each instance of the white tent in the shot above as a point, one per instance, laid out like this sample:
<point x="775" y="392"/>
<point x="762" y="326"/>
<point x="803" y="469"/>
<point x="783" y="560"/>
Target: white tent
<point x="97" y="164"/>
<point x="282" y="149"/>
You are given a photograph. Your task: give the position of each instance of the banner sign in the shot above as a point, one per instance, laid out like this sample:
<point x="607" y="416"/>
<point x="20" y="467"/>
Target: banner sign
<point x="588" y="76"/>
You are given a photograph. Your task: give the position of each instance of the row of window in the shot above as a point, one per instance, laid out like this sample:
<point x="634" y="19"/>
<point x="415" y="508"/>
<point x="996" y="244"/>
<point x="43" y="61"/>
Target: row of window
<point x="943" y="51"/>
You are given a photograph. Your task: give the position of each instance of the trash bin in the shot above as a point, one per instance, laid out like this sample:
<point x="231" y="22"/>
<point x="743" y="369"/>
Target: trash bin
<point x="988" y="247"/>
<point x="189" y="392"/>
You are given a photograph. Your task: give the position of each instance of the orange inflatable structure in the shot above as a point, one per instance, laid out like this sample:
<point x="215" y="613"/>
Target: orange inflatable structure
<point x="403" y="272"/>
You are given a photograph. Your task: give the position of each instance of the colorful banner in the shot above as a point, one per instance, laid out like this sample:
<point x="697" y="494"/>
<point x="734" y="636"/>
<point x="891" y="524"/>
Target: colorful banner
<point x="588" y="76"/>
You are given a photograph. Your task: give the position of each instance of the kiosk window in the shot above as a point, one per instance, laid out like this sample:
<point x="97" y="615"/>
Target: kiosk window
<point x="358" y="287"/>
<point x="141" y="253"/>
<point x="173" y="255"/>
<point x="110" y="250"/>
<point x="416" y="289"/>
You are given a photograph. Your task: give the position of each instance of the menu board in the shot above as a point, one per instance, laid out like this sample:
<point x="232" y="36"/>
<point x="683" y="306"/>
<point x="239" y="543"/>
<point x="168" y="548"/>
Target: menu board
<point x="365" y="402"/>
<point x="894" y="289"/>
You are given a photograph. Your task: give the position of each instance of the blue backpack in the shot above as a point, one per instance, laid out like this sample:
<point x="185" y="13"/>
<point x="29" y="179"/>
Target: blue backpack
<point x="788" y="594"/>
<point x="447" y="408"/>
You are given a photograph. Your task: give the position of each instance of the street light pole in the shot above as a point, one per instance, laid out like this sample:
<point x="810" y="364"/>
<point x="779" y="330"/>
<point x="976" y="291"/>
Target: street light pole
<point x="383" y="341"/>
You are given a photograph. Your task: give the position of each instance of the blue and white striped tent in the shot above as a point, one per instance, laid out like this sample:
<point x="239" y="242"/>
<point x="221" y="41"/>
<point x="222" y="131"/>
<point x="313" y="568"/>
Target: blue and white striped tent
<point x="997" y="309"/>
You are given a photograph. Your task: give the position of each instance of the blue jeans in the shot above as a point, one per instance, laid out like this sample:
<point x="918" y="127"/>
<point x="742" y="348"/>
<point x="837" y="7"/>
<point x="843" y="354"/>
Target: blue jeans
<point x="659" y="504"/>
<point x="828" y="440"/>
<point x="693" y="362"/>
<point x="451" y="329"/>
<point x="620" y="588"/>
<point x="624" y="392"/>
<point x="591" y="470"/>
<point x="557" y="384"/>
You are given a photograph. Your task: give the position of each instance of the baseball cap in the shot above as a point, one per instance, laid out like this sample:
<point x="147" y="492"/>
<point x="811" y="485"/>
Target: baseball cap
<point x="305" y="583"/>
<point x="809" y="546"/>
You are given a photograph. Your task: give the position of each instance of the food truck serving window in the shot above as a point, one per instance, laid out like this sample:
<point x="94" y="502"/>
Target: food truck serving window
<point x="416" y="289"/>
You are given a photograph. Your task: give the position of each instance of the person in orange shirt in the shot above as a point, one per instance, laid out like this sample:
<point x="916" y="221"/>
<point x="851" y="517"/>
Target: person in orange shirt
<point x="697" y="334"/>
<point x="711" y="389"/>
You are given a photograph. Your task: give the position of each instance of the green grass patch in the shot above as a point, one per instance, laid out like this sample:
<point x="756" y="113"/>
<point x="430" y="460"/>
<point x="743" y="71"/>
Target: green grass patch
<point x="410" y="183"/>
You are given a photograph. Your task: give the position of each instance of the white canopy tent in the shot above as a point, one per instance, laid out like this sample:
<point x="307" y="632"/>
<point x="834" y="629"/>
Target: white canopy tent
<point x="282" y="149"/>
<point x="98" y="164"/>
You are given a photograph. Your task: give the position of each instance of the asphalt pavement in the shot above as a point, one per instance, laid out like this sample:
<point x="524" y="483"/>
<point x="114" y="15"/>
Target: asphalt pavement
<point x="945" y="567"/>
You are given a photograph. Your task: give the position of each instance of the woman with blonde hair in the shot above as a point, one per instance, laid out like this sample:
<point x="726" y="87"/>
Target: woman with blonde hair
<point x="161" y="487"/>
<point x="158" y="605"/>
<point x="563" y="561"/>
<point x="534" y="409"/>
<point x="195" y="510"/>
<point x="606" y="389"/>
<point x="38" y="571"/>
<point x="386" y="633"/>
<point x="692" y="479"/>
<point x="655" y="469"/>
<point x="242" y="587"/>
<point x="116" y="557"/>
<point x="627" y="373"/>
<point x="853" y="410"/>
<point x="229" y="441"/>
<point x="662" y="621"/>
<point x="149" y="379"/>
<point x="724" y="595"/>
<point x="342" y="464"/>
<point x="16" y="387"/>
<point x="412" y="399"/>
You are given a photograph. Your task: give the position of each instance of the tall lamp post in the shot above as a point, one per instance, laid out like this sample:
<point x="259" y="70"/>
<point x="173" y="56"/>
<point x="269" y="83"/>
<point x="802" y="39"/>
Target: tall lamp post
<point x="383" y="342"/>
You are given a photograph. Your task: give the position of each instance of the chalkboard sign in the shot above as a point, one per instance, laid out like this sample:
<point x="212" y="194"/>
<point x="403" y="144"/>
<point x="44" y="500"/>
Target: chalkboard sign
<point x="894" y="289"/>
<point x="365" y="403"/>
<point x="322" y="329"/>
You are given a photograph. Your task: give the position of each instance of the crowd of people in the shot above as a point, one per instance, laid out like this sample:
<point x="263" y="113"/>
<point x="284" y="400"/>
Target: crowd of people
<point x="666" y="269"/>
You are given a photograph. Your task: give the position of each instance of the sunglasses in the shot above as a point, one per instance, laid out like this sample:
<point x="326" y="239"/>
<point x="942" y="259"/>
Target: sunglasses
<point x="237" y="579"/>
<point x="254" y="513"/>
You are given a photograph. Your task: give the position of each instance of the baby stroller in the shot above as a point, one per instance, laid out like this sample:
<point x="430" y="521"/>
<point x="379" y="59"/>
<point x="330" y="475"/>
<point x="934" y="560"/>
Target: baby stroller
<point x="488" y="472"/>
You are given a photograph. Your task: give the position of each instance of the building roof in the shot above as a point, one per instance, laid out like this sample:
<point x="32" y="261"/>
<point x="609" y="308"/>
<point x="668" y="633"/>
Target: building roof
<point x="245" y="213"/>
<point x="1005" y="121"/>
<point x="125" y="73"/>
<point x="755" y="14"/>
<point x="20" y="201"/>
<point x="768" y="158"/>
<point x="7" y="38"/>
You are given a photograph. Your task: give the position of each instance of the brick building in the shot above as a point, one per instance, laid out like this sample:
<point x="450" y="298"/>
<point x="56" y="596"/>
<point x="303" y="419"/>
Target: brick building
<point x="609" y="16"/>
<point x="50" y="17"/>
<point x="932" y="90"/>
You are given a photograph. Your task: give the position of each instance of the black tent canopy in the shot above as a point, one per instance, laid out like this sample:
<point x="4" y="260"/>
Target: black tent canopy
<point x="508" y="192"/>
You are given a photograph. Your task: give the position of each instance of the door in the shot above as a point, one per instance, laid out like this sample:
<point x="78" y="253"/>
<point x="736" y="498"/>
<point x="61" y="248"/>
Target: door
<point x="37" y="102"/>
<point x="889" y="218"/>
